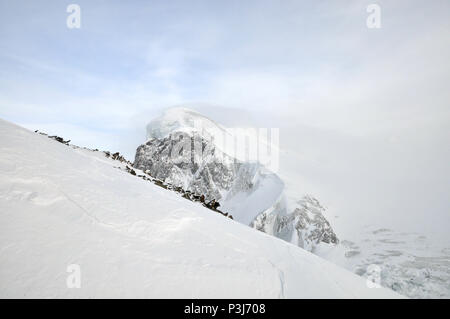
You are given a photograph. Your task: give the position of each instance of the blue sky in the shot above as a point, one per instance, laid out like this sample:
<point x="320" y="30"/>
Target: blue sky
<point x="303" y="66"/>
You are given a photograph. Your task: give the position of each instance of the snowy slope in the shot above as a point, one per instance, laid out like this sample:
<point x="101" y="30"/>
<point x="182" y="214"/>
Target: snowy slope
<point x="62" y="206"/>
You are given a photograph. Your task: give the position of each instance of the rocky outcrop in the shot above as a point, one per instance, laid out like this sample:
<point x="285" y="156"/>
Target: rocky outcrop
<point x="305" y="226"/>
<point x="190" y="162"/>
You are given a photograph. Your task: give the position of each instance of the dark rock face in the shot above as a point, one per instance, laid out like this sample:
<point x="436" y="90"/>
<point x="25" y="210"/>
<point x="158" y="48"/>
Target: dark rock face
<point x="305" y="226"/>
<point x="191" y="163"/>
<point x="310" y="224"/>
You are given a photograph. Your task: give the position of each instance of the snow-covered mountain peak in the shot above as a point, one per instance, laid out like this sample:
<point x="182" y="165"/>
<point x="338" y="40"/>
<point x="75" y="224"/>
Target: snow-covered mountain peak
<point x="182" y="119"/>
<point x="191" y="151"/>
<point x="246" y="144"/>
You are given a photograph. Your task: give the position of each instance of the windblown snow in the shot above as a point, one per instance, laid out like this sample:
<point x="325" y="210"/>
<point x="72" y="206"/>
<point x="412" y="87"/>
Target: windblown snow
<point x="61" y="206"/>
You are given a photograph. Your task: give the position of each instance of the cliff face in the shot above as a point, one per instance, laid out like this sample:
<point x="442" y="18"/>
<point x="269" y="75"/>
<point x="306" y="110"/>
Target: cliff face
<point x="174" y="160"/>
